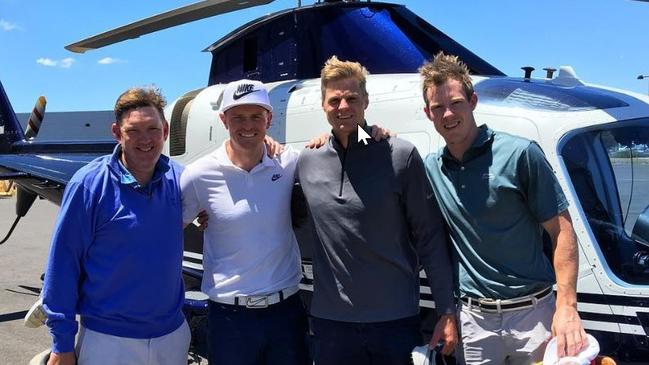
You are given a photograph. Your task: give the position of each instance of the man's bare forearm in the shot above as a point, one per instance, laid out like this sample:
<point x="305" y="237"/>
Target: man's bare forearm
<point x="566" y="262"/>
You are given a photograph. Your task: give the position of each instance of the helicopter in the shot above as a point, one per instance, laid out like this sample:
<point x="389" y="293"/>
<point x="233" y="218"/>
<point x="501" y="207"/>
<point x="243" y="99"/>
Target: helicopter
<point x="596" y="138"/>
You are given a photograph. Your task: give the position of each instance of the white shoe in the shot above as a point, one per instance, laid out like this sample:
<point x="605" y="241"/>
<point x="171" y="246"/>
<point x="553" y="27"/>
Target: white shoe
<point x="36" y="316"/>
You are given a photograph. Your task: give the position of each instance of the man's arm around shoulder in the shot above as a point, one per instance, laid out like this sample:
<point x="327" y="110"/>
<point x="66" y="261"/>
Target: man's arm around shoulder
<point x="191" y="203"/>
<point x="430" y="240"/>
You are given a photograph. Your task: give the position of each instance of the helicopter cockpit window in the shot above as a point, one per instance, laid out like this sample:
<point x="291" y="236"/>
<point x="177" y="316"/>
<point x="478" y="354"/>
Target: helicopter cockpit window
<point x="542" y="96"/>
<point x="609" y="169"/>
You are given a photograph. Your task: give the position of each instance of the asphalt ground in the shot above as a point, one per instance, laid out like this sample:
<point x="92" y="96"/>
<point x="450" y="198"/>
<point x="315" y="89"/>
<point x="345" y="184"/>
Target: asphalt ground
<point x="22" y="261"/>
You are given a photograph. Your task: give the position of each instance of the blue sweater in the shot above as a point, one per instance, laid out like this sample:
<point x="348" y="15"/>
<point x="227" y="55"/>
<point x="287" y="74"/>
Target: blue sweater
<point x="116" y="254"/>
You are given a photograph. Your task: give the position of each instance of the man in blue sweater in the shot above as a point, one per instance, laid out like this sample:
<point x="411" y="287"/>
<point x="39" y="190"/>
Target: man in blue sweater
<point x="117" y="250"/>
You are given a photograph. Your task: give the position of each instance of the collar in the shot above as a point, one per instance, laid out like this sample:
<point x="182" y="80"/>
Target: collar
<point x="352" y="139"/>
<point x="482" y="141"/>
<point x="125" y="177"/>
<point x="221" y="156"/>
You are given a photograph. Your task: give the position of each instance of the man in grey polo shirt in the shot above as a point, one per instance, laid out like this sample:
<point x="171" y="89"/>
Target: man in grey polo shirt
<point x="376" y="221"/>
<point x="498" y="194"/>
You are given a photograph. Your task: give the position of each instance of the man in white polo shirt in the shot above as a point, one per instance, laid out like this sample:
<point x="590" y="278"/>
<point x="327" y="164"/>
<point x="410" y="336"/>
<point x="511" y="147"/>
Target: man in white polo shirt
<point x="251" y="258"/>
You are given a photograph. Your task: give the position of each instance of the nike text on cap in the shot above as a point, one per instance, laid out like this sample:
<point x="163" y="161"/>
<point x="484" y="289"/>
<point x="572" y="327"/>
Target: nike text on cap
<point x="245" y="92"/>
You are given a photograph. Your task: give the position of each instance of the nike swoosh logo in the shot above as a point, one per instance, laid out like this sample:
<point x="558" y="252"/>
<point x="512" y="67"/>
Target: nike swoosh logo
<point x="256" y="301"/>
<point x="237" y="96"/>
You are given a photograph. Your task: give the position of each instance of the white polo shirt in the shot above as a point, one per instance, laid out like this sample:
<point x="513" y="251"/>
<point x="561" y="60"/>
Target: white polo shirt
<point x="249" y="247"/>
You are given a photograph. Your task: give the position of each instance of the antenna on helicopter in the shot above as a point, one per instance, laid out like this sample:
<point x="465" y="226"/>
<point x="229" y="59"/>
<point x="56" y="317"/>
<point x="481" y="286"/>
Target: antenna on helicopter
<point x="182" y="15"/>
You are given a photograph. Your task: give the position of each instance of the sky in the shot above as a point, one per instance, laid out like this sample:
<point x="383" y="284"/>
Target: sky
<point x="605" y="41"/>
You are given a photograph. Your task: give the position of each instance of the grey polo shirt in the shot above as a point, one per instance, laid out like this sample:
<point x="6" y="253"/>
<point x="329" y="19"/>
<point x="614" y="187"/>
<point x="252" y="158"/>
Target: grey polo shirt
<point x="494" y="202"/>
<point x="376" y="220"/>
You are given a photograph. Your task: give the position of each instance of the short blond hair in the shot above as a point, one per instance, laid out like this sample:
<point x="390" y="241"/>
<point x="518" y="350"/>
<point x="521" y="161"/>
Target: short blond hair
<point x="442" y="68"/>
<point x="335" y="69"/>
<point x="138" y="97"/>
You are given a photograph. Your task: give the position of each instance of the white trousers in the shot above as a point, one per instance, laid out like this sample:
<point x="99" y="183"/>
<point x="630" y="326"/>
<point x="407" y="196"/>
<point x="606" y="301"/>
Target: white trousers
<point x="95" y="348"/>
<point x="512" y="338"/>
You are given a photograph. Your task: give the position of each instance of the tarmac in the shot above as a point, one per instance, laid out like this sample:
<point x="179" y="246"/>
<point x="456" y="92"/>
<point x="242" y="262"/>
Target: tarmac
<point x="22" y="261"/>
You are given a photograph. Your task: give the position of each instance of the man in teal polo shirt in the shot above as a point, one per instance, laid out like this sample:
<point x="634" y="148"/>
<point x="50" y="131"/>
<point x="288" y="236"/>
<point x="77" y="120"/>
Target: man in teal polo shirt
<point x="498" y="194"/>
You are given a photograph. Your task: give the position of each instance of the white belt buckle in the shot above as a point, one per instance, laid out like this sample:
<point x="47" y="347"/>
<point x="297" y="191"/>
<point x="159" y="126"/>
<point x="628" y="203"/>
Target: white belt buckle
<point x="257" y="301"/>
<point x="473" y="306"/>
<point x="486" y="301"/>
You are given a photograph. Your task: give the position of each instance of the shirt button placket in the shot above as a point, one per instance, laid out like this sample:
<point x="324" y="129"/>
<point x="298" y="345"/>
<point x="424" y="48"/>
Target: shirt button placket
<point x="463" y="186"/>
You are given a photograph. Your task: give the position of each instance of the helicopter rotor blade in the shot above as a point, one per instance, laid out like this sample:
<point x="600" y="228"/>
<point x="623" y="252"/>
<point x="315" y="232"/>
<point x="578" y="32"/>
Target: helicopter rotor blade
<point x="182" y="15"/>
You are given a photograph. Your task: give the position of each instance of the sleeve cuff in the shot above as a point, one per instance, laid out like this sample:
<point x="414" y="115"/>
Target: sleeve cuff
<point x="446" y="307"/>
<point x="61" y="344"/>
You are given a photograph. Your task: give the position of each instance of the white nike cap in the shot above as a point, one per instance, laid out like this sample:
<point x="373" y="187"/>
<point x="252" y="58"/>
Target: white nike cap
<point x="245" y="92"/>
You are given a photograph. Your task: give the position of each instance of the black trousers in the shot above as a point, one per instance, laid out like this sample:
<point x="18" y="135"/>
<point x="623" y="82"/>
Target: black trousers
<point x="379" y="343"/>
<point x="266" y="336"/>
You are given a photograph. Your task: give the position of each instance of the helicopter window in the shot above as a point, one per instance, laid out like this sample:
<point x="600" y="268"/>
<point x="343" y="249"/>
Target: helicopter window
<point x="609" y="169"/>
<point x="250" y="54"/>
<point x="544" y="96"/>
<point x="283" y="53"/>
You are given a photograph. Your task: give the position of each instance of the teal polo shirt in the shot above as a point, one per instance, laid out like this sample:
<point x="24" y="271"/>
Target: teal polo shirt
<point x="494" y="201"/>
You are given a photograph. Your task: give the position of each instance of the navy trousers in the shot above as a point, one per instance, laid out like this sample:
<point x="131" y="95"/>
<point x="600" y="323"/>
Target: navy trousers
<point x="266" y="336"/>
<point x="379" y="343"/>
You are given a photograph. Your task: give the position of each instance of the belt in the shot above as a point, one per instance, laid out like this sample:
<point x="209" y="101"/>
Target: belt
<point x="258" y="301"/>
<point x="504" y="305"/>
